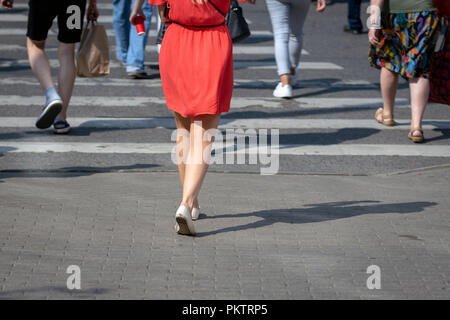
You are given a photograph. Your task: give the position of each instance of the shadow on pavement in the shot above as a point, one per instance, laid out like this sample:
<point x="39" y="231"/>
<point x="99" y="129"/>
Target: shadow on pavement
<point x="326" y="138"/>
<point x="340" y="89"/>
<point x="298" y="112"/>
<point x="320" y="212"/>
<point x="70" y="172"/>
<point x="445" y="135"/>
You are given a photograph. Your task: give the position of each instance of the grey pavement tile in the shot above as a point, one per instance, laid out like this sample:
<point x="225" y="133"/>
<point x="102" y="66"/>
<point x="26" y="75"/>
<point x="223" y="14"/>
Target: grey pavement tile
<point x="141" y="259"/>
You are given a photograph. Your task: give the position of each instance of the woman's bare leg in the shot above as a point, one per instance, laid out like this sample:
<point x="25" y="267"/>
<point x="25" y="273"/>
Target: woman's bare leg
<point x="420" y="91"/>
<point x="389" y="84"/>
<point x="196" y="167"/>
<point x="183" y="127"/>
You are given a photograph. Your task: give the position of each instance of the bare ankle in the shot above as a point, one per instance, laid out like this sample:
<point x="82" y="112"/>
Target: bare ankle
<point x="187" y="204"/>
<point x="284" y="79"/>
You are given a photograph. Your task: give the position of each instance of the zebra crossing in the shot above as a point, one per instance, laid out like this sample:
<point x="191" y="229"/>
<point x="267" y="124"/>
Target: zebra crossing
<point x="107" y="97"/>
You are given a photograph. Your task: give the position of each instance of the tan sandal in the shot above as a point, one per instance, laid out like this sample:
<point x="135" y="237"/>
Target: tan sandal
<point x="389" y="122"/>
<point x="416" y="139"/>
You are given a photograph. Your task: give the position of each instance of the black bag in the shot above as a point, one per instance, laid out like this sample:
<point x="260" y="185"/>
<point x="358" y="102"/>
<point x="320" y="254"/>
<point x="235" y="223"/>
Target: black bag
<point x="161" y="33"/>
<point x="236" y="22"/>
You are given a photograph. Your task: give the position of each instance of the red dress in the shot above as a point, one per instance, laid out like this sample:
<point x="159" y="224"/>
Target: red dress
<point x="196" y="64"/>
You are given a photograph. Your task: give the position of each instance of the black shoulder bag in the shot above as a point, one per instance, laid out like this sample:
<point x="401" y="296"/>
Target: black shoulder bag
<point x="236" y="23"/>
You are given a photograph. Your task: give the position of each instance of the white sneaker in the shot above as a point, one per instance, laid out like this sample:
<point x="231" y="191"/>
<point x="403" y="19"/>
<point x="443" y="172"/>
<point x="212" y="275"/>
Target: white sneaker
<point x="283" y="91"/>
<point x="184" y="223"/>
<point x="195" y="213"/>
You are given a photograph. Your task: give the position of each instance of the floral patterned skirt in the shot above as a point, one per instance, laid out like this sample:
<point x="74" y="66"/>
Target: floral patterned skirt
<point x="406" y="44"/>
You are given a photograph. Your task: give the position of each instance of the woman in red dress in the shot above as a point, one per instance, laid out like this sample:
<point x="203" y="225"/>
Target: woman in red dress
<point x="196" y="66"/>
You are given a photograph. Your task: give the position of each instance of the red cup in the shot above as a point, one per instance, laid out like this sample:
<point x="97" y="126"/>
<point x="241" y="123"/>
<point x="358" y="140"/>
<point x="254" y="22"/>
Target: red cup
<point x="140" y="27"/>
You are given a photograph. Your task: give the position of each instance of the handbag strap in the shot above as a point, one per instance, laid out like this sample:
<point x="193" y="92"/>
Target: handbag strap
<point x="220" y="11"/>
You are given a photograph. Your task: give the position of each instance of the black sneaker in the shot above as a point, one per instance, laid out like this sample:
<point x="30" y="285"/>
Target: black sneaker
<point x="138" y="75"/>
<point x="350" y="30"/>
<point x="49" y="113"/>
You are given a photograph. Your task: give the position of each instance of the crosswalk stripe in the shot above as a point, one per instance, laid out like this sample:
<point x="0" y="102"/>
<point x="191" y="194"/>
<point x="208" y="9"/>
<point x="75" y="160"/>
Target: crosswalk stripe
<point x="238" y="83"/>
<point x="255" y="34"/>
<point x="237" y="49"/>
<point x="100" y="6"/>
<point x="291" y="149"/>
<point x="238" y="64"/>
<point x="270" y="64"/>
<point x="15" y="17"/>
<point x="236" y="102"/>
<point x="225" y="123"/>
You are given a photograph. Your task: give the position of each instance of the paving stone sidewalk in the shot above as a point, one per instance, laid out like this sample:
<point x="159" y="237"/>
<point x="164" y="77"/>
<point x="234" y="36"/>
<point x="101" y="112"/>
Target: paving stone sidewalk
<point x="261" y="237"/>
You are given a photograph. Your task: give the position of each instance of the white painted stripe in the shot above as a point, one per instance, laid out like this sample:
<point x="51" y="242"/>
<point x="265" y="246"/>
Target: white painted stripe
<point x="254" y="50"/>
<point x="271" y="84"/>
<point x="238" y="64"/>
<point x="368" y="150"/>
<point x="236" y="102"/>
<point x="225" y="123"/>
<point x="166" y="148"/>
<point x="100" y="6"/>
<point x="270" y="64"/>
<point x="107" y="6"/>
<point x="237" y="49"/>
<point x="238" y="83"/>
<point x="14" y="47"/>
<point x="24" y="18"/>
<point x="110" y="32"/>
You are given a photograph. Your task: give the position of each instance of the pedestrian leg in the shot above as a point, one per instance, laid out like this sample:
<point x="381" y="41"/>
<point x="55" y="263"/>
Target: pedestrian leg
<point x="420" y="91"/>
<point x="121" y="25"/>
<point x="298" y="14"/>
<point x="196" y="166"/>
<point x="67" y="74"/>
<point x="136" y="50"/>
<point x="41" y="68"/>
<point x="39" y="63"/>
<point x="389" y="84"/>
<point x="354" y="16"/>
<point x="183" y="142"/>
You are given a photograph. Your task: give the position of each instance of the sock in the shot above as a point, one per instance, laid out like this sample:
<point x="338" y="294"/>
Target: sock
<point x="51" y="94"/>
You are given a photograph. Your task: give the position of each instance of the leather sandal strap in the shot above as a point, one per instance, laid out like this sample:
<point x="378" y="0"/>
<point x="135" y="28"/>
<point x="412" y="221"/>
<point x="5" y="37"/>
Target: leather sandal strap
<point x="383" y="117"/>
<point x="416" y="129"/>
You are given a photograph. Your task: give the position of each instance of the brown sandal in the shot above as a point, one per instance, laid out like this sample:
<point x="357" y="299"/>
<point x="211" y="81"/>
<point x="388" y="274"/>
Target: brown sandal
<point x="416" y="139"/>
<point x="389" y="122"/>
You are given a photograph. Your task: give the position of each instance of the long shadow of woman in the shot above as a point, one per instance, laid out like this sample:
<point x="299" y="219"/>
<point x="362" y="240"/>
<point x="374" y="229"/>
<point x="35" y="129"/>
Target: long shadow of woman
<point x="319" y="212"/>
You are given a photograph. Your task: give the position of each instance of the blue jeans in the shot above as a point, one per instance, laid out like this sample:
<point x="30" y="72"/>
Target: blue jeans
<point x="354" y="11"/>
<point x="288" y="18"/>
<point x="130" y="46"/>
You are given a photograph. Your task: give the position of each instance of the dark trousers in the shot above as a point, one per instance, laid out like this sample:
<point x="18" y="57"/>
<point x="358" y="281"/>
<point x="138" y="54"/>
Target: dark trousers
<point x="354" y="11"/>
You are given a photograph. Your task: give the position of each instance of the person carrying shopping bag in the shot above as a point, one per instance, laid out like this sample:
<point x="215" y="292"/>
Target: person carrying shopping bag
<point x="70" y="24"/>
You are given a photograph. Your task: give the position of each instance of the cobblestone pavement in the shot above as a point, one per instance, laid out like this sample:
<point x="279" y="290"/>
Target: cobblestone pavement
<point x="285" y="237"/>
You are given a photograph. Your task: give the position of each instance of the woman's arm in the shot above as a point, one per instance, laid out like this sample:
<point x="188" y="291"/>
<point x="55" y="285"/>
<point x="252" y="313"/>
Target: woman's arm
<point x="375" y="18"/>
<point x="163" y="13"/>
<point x="137" y="11"/>
<point x="321" y="5"/>
<point x="92" y="12"/>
